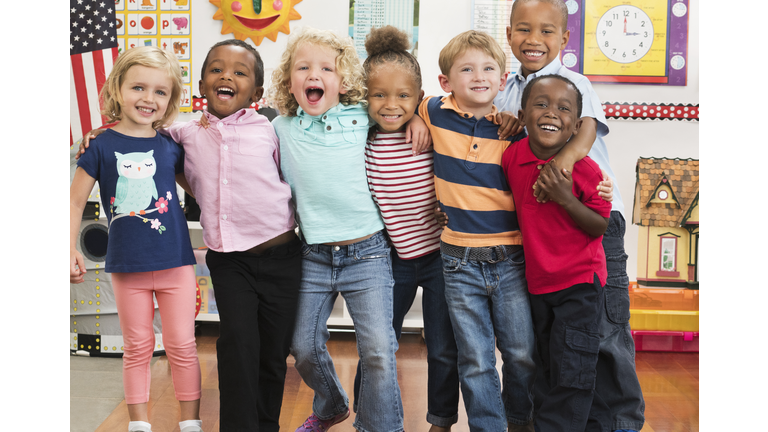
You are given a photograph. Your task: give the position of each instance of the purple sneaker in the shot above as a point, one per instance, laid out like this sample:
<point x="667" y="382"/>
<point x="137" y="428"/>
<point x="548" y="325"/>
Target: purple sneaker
<point x="314" y="424"/>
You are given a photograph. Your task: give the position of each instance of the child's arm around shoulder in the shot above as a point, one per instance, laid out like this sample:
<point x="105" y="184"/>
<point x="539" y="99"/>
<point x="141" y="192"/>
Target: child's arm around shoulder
<point x="559" y="188"/>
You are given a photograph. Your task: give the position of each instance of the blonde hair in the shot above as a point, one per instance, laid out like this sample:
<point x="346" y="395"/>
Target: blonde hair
<point x="148" y="56"/>
<point x="471" y="39"/>
<point x="347" y="64"/>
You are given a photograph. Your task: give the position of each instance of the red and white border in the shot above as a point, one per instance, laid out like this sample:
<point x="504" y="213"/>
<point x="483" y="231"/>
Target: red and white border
<point x="650" y="111"/>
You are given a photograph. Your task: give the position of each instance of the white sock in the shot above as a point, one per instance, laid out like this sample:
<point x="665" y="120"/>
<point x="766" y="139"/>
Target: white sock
<point x="191" y="426"/>
<point x="139" y="426"/>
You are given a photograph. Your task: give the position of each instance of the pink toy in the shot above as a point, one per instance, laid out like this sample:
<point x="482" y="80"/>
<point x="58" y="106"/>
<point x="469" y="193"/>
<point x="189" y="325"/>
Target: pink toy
<point x="181" y="22"/>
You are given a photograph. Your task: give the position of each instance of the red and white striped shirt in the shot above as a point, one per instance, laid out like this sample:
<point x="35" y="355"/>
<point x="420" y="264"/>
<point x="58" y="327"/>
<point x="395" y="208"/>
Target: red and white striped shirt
<point x="403" y="187"/>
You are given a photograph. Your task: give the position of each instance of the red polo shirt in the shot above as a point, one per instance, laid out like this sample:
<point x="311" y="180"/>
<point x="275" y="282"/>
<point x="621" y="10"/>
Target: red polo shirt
<point x="558" y="254"/>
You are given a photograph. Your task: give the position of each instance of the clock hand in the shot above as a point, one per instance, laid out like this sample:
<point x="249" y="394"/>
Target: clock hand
<point x="625" y="24"/>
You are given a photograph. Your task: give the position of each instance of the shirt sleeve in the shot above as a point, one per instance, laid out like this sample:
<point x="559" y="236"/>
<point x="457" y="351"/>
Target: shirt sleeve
<point x="591" y="106"/>
<point x="89" y="161"/>
<point x="588" y="178"/>
<point x="177" y="131"/>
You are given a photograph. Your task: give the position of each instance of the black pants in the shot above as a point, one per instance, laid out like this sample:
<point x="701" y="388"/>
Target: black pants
<point x="567" y="328"/>
<point x="256" y="296"/>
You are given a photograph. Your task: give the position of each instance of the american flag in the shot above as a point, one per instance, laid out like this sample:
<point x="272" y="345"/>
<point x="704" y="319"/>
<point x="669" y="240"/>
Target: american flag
<point x="92" y="52"/>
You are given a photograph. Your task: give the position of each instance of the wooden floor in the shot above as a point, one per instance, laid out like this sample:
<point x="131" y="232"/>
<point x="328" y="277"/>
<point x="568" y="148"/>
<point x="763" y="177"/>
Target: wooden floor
<point x="670" y="383"/>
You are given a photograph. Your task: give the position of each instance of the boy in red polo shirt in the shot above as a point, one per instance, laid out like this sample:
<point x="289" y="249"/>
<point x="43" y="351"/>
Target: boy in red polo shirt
<point x="565" y="261"/>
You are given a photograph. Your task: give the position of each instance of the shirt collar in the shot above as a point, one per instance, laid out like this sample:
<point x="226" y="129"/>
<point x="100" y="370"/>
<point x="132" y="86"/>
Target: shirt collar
<point x="238" y="116"/>
<point x="449" y="102"/>
<point x="551" y="69"/>
<point x="305" y="121"/>
<point x="526" y="155"/>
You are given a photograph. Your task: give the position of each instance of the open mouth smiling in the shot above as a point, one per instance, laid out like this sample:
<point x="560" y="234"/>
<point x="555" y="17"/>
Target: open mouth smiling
<point x="256" y="23"/>
<point x="225" y="92"/>
<point x="314" y="94"/>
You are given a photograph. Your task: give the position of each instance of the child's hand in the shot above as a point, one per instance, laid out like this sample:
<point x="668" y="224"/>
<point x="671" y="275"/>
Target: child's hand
<point x="76" y="267"/>
<point x="416" y="131"/>
<point x="556" y="184"/>
<point x="605" y="187"/>
<point x="204" y="121"/>
<point x="508" y="124"/>
<point x="87" y="140"/>
<point x="441" y="218"/>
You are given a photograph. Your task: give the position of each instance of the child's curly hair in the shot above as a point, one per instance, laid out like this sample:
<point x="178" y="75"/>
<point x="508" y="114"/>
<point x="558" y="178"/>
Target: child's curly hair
<point x="347" y="64"/>
<point x="389" y="44"/>
<point x="148" y="56"/>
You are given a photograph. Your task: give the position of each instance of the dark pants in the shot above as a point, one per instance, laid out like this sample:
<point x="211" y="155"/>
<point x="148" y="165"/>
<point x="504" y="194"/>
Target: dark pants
<point x="442" y="355"/>
<point x="617" y="381"/>
<point x="256" y="296"/>
<point x="567" y="327"/>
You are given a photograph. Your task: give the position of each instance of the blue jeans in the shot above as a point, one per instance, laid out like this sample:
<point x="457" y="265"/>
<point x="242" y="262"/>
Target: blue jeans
<point x="362" y="274"/>
<point x="442" y="372"/>
<point x="488" y="304"/>
<point x="617" y="381"/>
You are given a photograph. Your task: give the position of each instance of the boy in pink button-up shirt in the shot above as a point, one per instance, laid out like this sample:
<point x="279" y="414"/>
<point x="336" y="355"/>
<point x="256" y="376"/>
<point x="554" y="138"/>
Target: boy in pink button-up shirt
<point x="233" y="170"/>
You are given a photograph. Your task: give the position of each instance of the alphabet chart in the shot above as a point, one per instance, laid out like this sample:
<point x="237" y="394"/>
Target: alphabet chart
<point x="162" y="23"/>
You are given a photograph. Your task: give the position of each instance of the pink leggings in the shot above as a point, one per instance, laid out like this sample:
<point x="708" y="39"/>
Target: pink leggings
<point x="175" y="292"/>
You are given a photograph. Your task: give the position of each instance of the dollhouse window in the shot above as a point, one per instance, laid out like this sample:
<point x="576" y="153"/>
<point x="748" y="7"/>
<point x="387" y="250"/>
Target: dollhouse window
<point x="668" y="257"/>
<point x="663" y="194"/>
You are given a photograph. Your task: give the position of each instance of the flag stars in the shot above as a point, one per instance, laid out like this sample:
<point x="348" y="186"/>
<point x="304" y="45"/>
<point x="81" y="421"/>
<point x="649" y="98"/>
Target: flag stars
<point x="90" y="35"/>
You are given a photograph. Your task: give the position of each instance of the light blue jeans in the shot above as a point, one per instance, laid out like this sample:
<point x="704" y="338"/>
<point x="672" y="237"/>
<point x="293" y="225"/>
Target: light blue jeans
<point x="362" y="274"/>
<point x="488" y="304"/>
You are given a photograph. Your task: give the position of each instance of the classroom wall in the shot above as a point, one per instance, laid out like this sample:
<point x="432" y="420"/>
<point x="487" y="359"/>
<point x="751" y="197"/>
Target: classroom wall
<point x="440" y="20"/>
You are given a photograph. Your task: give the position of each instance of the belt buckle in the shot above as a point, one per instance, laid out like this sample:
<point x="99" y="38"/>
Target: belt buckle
<point x="500" y="252"/>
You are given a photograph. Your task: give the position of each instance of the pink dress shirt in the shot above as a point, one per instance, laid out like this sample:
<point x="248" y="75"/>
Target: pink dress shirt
<point x="233" y="169"/>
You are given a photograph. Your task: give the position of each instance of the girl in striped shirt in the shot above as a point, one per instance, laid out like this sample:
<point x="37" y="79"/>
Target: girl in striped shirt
<point x="402" y="186"/>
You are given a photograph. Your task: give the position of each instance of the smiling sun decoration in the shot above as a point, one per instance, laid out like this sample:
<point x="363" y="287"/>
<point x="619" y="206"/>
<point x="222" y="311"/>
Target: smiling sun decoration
<point x="255" y="19"/>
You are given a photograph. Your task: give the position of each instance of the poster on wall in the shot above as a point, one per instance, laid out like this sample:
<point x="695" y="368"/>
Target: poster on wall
<point x="367" y="14"/>
<point x="162" y="23"/>
<point x="611" y="41"/>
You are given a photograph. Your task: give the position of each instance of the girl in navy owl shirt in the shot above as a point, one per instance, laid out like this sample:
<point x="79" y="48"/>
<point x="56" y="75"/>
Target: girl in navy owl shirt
<point x="149" y="251"/>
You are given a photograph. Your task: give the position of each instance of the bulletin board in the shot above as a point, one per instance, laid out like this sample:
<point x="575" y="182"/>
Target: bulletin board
<point x="163" y="23"/>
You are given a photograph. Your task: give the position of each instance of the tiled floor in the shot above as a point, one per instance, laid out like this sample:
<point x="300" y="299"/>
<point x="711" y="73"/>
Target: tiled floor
<point x="95" y="390"/>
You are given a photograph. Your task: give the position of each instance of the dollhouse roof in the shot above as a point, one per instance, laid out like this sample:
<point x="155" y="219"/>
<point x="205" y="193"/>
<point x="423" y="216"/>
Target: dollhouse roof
<point x="679" y="178"/>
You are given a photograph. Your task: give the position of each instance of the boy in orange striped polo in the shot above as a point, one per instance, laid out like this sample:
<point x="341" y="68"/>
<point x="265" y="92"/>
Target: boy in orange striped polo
<point x="481" y="247"/>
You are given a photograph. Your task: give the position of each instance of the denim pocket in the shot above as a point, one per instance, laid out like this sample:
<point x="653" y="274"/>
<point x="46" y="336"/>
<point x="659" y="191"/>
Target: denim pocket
<point x="376" y="251"/>
<point x="516" y="258"/>
<point x="617" y="304"/>
<point x="577" y="369"/>
<point x="451" y="264"/>
<point x="305" y="249"/>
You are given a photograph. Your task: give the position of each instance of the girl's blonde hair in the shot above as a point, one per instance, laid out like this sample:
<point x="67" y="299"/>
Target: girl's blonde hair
<point x="148" y="56"/>
<point x="347" y="64"/>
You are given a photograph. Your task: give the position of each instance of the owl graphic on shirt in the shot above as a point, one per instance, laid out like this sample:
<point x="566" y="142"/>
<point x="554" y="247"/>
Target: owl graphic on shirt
<point x="136" y="186"/>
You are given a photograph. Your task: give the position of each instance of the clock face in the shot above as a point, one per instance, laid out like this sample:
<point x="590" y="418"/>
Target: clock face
<point x="624" y="34"/>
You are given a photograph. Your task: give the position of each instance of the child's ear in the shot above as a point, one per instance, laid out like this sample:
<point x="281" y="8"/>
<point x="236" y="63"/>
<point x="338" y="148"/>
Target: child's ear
<point x="503" y="82"/>
<point x="566" y="37"/>
<point x="421" y="95"/>
<point x="201" y="87"/>
<point x="576" y="127"/>
<point x="444" y="83"/>
<point x="521" y="117"/>
<point x="257" y="93"/>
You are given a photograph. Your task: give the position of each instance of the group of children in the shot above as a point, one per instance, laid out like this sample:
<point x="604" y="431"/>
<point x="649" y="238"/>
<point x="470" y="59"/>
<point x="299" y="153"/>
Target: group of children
<point x="519" y="264"/>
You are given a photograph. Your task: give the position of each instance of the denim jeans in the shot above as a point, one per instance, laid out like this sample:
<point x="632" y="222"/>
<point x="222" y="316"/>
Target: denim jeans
<point x="442" y="372"/>
<point x="488" y="304"/>
<point x="617" y="381"/>
<point x="567" y="325"/>
<point x="362" y="274"/>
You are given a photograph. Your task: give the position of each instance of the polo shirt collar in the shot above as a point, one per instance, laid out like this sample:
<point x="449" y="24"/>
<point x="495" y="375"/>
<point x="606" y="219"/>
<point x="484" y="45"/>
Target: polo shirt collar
<point x="449" y="102"/>
<point x="551" y="69"/>
<point x="238" y="116"/>
<point x="526" y="155"/>
<point x="304" y="120"/>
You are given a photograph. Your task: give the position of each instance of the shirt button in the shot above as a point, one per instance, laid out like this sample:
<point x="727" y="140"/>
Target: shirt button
<point x="225" y="181"/>
<point x="226" y="147"/>
<point x="328" y="128"/>
<point x="325" y="117"/>
<point x="354" y="121"/>
<point x="336" y="248"/>
<point x="475" y="146"/>
<point x="224" y="217"/>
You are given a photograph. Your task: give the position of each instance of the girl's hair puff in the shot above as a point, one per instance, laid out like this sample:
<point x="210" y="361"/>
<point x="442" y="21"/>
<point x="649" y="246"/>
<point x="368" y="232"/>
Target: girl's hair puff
<point x="389" y="44"/>
<point x="347" y="65"/>
<point x="148" y="56"/>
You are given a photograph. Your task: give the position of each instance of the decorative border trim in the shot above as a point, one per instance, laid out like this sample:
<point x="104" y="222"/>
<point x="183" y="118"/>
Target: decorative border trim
<point x="650" y="111"/>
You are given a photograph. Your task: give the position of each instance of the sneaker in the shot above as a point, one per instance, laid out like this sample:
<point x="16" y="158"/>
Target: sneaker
<point x="314" y="424"/>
